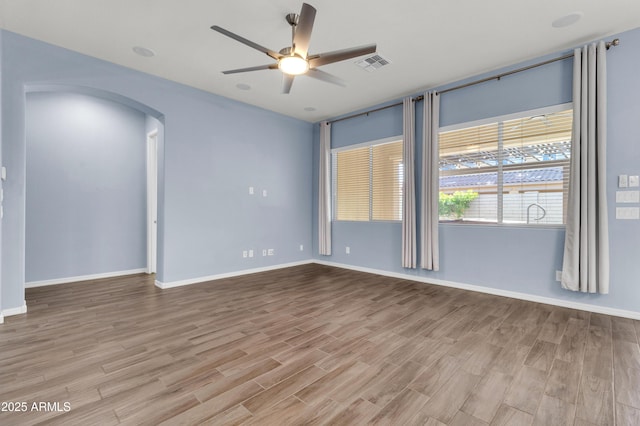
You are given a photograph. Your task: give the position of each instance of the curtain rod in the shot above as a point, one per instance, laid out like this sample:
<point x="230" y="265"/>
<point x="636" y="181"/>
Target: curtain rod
<point x="609" y="44"/>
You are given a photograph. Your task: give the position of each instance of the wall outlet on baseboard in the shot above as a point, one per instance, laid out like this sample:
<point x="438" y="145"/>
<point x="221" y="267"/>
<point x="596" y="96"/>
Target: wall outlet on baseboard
<point x="558" y="276"/>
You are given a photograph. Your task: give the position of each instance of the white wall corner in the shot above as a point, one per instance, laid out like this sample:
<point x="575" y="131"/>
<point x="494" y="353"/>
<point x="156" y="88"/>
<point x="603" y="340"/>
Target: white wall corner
<point x="15" y="311"/>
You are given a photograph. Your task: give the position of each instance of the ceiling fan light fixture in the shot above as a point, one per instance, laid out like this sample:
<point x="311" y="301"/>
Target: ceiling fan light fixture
<point x="293" y="65"/>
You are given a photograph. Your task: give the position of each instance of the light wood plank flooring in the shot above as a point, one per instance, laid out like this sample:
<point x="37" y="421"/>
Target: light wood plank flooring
<point x="313" y="345"/>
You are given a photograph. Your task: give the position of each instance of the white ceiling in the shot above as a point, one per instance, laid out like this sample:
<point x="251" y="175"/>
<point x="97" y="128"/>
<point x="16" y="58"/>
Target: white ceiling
<point x="429" y="42"/>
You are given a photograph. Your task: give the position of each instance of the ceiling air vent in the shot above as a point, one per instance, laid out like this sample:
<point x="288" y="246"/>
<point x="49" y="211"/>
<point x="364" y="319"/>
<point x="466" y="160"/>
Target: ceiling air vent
<point x="372" y="63"/>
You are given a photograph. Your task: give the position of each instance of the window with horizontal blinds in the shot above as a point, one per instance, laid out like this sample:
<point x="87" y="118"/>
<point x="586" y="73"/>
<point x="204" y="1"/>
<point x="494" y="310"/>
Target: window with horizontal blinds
<point x="351" y="183"/>
<point x="367" y="182"/>
<point x="513" y="170"/>
<point x="386" y="181"/>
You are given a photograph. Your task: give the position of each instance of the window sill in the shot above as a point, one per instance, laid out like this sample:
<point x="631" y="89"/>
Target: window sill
<point x="500" y="225"/>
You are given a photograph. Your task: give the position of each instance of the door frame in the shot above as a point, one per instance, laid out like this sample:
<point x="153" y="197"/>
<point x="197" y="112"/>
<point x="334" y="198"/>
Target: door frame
<point x="152" y="201"/>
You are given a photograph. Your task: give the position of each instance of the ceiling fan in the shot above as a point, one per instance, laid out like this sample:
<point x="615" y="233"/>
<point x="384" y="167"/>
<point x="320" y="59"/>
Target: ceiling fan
<point x="295" y="59"/>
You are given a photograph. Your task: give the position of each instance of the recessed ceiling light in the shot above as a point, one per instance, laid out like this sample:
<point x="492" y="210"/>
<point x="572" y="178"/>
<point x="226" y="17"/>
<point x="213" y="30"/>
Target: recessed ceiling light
<point x="143" y="51"/>
<point x="567" y="20"/>
<point x="243" y="86"/>
<point x="310" y="109"/>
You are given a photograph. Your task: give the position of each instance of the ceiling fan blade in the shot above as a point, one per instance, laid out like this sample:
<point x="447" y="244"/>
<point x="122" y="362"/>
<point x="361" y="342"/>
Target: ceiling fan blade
<point x="249" y="43"/>
<point x="325" y="76"/>
<point x="256" y="68"/>
<point x="340" y="55"/>
<point x="302" y="34"/>
<point x="287" y="81"/>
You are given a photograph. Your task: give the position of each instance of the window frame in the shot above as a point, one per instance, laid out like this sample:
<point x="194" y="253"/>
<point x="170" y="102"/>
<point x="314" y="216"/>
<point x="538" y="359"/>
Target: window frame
<point x="499" y="119"/>
<point x="334" y="204"/>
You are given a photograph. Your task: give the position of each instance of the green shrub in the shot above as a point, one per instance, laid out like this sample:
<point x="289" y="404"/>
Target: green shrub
<point x="454" y="205"/>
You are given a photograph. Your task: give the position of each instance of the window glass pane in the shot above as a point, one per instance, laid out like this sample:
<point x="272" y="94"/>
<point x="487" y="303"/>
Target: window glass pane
<point x="351" y="174"/>
<point x="515" y="171"/>
<point x="386" y="181"/>
<point x="536" y="168"/>
<point x="468" y="174"/>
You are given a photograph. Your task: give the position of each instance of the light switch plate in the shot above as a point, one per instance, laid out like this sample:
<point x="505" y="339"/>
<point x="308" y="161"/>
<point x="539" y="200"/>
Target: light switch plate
<point x="627" y="212"/>
<point x="634" y="181"/>
<point x="627" y="196"/>
<point x="623" y="181"/>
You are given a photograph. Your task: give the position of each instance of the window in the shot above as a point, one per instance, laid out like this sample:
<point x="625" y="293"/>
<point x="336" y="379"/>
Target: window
<point x="368" y="180"/>
<point x="512" y="170"/>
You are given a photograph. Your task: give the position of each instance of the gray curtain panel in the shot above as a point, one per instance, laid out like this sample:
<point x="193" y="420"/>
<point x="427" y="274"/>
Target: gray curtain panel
<point x="409" y="189"/>
<point x="324" y="191"/>
<point x="429" y="242"/>
<point x="586" y="249"/>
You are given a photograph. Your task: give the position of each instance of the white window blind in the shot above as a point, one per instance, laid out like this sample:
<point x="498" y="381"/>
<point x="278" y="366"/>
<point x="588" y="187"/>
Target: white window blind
<point x="514" y="170"/>
<point x="367" y="182"/>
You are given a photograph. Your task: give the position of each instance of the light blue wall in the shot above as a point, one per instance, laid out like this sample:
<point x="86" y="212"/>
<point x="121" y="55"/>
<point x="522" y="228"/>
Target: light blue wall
<point x="516" y="259"/>
<point x="86" y="186"/>
<point x="214" y="149"/>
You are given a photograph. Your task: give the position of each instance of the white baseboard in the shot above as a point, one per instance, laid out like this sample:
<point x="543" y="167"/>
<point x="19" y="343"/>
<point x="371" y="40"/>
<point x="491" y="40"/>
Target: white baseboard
<point x="495" y="291"/>
<point x="83" y="278"/>
<point x="190" y="281"/>
<point x="1" y="319"/>
<point x="15" y="311"/>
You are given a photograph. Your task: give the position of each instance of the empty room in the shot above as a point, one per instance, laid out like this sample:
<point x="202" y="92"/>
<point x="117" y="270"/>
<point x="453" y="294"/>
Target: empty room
<point x="334" y="213"/>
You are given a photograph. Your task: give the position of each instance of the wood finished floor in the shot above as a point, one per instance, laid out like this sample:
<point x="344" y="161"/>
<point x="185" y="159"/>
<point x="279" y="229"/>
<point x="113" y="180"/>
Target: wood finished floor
<point x="313" y="345"/>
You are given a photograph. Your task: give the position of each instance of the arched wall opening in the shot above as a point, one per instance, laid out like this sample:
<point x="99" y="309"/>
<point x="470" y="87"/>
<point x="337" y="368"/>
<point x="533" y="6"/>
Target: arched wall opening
<point x="86" y="212"/>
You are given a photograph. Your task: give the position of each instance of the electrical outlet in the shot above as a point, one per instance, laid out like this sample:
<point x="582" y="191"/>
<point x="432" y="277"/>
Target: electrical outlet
<point x="270" y="252"/>
<point x="250" y="253"/>
<point x="251" y="190"/>
<point x="558" y="275"/>
<point x="264" y="192"/>
<point x="634" y="181"/>
<point x="301" y="247"/>
<point x="347" y="250"/>
<point x="264" y="252"/>
<point x="244" y="253"/>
